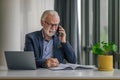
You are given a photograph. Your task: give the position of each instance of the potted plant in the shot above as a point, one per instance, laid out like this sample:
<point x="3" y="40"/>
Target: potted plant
<point x="103" y="50"/>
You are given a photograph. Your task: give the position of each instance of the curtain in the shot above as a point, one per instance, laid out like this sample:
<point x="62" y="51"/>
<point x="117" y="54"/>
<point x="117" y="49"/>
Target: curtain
<point x="68" y="12"/>
<point x="114" y="28"/>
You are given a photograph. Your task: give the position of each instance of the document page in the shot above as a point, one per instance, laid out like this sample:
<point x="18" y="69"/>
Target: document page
<point x="70" y="66"/>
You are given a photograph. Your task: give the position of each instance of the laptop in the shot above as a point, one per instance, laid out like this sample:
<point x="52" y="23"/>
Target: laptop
<point x="20" y="60"/>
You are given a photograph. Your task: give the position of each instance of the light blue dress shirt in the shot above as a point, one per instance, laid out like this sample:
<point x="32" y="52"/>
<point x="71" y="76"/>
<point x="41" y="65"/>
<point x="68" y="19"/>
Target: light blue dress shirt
<point x="47" y="49"/>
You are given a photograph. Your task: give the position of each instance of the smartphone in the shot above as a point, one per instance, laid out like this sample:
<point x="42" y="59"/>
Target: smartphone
<point x="57" y="32"/>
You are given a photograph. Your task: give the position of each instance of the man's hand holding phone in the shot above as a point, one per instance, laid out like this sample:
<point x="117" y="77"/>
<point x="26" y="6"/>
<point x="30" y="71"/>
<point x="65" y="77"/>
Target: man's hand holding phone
<point x="61" y="34"/>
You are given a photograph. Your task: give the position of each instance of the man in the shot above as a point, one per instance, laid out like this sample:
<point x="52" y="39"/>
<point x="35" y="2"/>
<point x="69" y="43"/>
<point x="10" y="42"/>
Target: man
<point x="49" y="44"/>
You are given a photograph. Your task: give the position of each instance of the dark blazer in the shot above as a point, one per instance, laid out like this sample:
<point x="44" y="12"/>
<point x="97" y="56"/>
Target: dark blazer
<point x="61" y="51"/>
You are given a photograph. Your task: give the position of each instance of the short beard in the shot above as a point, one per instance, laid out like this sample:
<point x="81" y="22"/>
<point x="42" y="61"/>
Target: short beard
<point x="49" y="34"/>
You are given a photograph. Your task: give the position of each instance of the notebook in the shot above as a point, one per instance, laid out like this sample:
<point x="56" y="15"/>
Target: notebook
<point x="20" y="60"/>
<point x="69" y="66"/>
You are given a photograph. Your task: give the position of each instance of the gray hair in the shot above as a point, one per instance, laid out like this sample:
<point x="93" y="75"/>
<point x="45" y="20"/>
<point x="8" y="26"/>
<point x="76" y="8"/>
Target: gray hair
<point x="47" y="12"/>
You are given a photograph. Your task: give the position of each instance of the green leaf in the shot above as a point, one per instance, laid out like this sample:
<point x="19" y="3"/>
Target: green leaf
<point x="99" y="51"/>
<point x="114" y="48"/>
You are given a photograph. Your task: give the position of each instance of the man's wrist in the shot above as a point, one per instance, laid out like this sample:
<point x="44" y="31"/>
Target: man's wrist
<point x="63" y="42"/>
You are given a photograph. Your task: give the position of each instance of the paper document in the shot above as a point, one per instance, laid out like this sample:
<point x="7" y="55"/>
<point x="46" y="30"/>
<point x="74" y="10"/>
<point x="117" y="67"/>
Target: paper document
<point x="70" y="66"/>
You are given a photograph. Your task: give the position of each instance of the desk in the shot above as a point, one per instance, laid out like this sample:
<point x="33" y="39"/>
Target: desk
<point x="45" y="74"/>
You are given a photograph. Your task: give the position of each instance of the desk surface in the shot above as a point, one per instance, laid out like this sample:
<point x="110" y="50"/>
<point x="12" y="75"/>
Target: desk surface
<point x="61" y="74"/>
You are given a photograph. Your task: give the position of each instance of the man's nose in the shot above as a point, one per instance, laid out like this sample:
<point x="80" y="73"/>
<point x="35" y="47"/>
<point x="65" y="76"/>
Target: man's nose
<point x="53" y="27"/>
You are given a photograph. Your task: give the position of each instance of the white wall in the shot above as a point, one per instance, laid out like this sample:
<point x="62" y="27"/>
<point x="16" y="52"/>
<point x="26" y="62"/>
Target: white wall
<point x="18" y="17"/>
<point x="31" y="11"/>
<point x="10" y="29"/>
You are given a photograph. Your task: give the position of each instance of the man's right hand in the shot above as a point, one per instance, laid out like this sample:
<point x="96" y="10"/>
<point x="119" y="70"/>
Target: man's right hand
<point x="52" y="62"/>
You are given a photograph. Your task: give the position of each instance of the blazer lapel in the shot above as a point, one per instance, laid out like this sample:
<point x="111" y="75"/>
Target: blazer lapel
<point x="41" y="43"/>
<point x="56" y="46"/>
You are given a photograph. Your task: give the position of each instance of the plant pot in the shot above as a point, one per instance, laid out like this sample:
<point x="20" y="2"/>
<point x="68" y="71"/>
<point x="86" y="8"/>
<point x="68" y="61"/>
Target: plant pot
<point x="105" y="62"/>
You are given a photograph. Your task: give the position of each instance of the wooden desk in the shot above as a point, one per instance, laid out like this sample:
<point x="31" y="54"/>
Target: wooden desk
<point x="45" y="74"/>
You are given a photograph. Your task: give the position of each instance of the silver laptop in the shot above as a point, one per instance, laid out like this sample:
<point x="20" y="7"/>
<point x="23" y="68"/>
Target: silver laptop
<point x="20" y="60"/>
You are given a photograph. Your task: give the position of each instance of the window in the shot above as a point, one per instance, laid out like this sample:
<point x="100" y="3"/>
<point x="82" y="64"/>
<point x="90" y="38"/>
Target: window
<point x="103" y="20"/>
